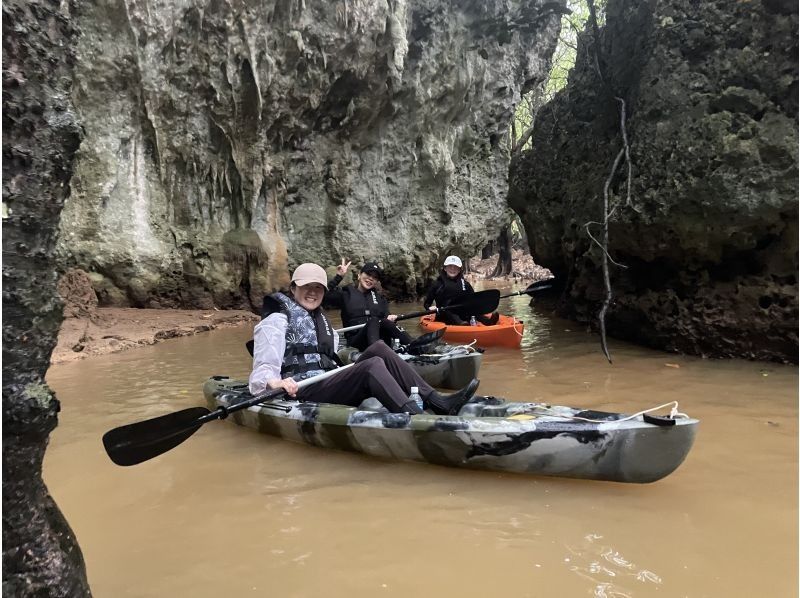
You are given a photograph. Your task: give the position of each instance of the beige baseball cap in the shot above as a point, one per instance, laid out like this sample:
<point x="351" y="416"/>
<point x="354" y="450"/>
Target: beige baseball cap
<point x="307" y="273"/>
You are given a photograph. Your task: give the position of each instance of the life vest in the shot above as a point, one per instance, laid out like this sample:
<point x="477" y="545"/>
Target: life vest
<point x="449" y="290"/>
<point x="358" y="307"/>
<point x="309" y="338"/>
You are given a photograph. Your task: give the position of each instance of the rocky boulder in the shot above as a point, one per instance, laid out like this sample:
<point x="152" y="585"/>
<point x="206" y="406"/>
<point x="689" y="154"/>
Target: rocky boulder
<point x="226" y="142"/>
<point x="41" y="556"/>
<point x="76" y="292"/>
<point x="709" y="236"/>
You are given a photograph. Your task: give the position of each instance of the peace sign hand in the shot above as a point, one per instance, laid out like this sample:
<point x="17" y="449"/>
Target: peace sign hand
<point x="341" y="269"/>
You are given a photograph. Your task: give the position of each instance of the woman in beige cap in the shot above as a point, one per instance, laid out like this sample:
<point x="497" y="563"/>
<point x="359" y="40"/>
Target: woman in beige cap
<point x="295" y="341"/>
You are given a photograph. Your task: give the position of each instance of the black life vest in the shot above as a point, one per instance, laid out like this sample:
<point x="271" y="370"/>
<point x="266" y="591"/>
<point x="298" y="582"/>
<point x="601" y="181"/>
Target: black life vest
<point x="309" y="338"/>
<point x="358" y="307"/>
<point x="450" y="290"/>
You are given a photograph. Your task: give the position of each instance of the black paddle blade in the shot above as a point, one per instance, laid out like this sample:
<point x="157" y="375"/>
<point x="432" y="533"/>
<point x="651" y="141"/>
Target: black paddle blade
<point x="539" y="285"/>
<point x="135" y="443"/>
<point x="482" y="302"/>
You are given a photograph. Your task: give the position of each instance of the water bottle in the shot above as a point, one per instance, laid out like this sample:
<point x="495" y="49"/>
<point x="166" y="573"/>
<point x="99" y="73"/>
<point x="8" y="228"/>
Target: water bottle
<point x="414" y="396"/>
<point x="473" y="321"/>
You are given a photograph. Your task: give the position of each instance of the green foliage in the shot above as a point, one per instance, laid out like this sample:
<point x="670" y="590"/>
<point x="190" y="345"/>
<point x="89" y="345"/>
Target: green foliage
<point x="563" y="61"/>
<point x="517" y="233"/>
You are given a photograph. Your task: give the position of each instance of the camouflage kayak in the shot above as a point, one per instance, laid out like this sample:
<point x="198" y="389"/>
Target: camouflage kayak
<point x="445" y="366"/>
<point x="488" y="433"/>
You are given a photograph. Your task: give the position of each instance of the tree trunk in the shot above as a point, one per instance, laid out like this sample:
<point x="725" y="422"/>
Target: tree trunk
<point x="503" y="267"/>
<point x="487" y="251"/>
<point x="40" y="137"/>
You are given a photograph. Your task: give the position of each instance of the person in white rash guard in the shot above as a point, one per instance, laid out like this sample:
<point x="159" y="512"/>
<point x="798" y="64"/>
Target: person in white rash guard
<point x="295" y="341"/>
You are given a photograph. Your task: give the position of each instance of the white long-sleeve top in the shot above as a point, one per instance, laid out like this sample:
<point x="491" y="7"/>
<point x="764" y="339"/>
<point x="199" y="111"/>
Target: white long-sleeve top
<point x="270" y="343"/>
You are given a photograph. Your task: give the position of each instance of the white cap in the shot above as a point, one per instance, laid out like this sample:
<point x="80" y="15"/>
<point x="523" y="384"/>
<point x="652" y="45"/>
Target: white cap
<point x="308" y="273"/>
<point x="453" y="260"/>
<point x="414" y="390"/>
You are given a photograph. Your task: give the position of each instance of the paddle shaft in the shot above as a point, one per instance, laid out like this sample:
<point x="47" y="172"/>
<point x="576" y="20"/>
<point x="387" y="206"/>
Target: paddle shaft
<point x="270" y="394"/>
<point x="479" y="298"/>
<point x="532" y="288"/>
<point x="403" y="317"/>
<point x="141" y="441"/>
<point x="481" y="302"/>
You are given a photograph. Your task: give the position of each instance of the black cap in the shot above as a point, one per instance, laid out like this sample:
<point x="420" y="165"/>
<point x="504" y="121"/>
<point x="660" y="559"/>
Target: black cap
<point x="372" y="267"/>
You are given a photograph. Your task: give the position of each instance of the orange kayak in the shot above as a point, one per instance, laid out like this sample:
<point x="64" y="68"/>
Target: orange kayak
<point x="506" y="333"/>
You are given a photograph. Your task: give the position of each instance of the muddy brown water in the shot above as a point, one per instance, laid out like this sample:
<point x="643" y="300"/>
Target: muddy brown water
<point x="234" y="513"/>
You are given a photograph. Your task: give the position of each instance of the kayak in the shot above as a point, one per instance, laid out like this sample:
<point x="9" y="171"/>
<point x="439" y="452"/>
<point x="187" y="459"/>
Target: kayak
<point x="488" y="433"/>
<point x="444" y="366"/>
<point x="506" y="333"/>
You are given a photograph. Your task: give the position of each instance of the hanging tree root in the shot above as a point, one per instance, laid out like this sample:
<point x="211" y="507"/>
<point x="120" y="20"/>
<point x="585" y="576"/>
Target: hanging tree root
<point x="623" y="152"/>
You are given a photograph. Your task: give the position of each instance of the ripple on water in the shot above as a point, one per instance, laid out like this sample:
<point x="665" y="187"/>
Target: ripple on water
<point x="609" y="573"/>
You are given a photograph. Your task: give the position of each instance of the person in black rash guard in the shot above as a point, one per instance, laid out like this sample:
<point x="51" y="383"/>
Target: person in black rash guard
<point x="363" y="304"/>
<point x="449" y="289"/>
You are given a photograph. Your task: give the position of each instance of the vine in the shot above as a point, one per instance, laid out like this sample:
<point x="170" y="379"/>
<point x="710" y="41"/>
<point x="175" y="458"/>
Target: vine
<point x="624" y="152"/>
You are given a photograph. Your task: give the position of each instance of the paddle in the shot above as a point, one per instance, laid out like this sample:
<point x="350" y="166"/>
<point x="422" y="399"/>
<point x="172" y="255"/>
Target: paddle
<point x="539" y="285"/>
<point x="481" y="302"/>
<point x="138" y="442"/>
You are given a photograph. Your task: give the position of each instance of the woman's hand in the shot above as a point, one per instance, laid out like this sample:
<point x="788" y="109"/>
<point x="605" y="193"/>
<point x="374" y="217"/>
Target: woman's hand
<point x="287" y="384"/>
<point x="391" y="317"/>
<point x="341" y="269"/>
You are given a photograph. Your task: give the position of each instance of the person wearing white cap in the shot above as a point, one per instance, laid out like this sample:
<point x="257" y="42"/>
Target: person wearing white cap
<point x="295" y="341"/>
<point x="448" y="289"/>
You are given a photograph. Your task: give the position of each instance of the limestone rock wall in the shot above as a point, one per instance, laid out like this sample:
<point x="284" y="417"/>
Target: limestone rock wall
<point x="710" y="235"/>
<point x="226" y="142"/>
<point x="41" y="556"/>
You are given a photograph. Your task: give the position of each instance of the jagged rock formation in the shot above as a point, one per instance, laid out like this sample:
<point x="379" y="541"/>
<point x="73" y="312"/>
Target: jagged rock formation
<point x="77" y="294"/>
<point x="710" y="235"/>
<point x="40" y="554"/>
<point x="228" y="141"/>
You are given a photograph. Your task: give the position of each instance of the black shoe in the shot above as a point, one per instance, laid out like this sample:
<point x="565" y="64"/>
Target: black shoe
<point x="493" y="319"/>
<point x="418" y="345"/>
<point x="451" y="404"/>
<point x="412" y="408"/>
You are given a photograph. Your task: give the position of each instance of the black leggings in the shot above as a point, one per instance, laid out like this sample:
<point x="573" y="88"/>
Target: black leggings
<point x="448" y="317"/>
<point x="453" y="319"/>
<point x="379" y="373"/>
<point x="376" y="330"/>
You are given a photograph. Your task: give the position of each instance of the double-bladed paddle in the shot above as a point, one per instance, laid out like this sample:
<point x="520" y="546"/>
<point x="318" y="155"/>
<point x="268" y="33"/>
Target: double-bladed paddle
<point x="138" y="442"/>
<point x="482" y="302"/>
<point x="539" y="285"/>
